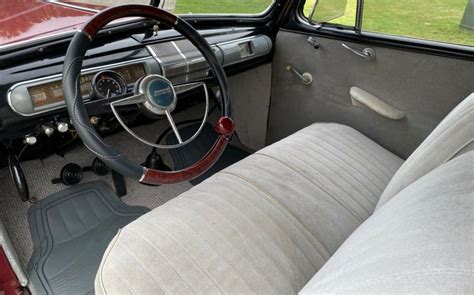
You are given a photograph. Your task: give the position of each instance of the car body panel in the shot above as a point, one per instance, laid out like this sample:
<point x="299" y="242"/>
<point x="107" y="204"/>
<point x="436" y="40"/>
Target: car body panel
<point x="22" y="21"/>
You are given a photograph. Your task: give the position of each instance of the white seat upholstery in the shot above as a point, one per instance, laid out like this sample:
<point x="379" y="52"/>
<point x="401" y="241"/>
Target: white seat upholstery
<point x="265" y="225"/>
<point x="452" y="137"/>
<point x="421" y="242"/>
<point x="270" y="222"/>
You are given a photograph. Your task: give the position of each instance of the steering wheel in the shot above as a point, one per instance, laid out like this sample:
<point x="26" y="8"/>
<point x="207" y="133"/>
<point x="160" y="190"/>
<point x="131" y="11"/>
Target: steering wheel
<point x="156" y="93"/>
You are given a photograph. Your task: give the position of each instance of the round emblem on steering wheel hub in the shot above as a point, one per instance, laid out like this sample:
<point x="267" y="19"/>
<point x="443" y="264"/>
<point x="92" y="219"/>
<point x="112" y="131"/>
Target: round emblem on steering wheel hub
<point x="160" y="94"/>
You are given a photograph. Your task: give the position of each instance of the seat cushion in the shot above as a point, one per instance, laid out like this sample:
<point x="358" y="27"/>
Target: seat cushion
<point x="266" y="224"/>
<point x="452" y="137"/>
<point x="420" y="242"/>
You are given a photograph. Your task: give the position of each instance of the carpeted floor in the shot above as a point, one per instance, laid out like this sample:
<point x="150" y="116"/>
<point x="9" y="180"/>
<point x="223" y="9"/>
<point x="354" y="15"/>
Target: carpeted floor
<point x="39" y="173"/>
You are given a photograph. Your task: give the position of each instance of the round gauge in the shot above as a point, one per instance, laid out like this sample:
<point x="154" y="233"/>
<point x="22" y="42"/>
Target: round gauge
<point x="107" y="84"/>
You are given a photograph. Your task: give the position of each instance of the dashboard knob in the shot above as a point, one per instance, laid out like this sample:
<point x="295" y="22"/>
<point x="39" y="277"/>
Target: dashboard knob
<point x="63" y="127"/>
<point x="47" y="130"/>
<point x="94" y="120"/>
<point x="30" y="140"/>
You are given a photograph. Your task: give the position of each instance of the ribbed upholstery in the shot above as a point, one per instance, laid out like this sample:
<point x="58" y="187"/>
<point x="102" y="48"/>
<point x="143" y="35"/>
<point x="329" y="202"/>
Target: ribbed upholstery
<point x="421" y="242"/>
<point x="452" y="137"/>
<point x="265" y="225"/>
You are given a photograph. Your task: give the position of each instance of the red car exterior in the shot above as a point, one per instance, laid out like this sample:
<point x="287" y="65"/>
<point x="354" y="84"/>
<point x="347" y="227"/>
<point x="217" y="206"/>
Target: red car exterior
<point x="25" y="20"/>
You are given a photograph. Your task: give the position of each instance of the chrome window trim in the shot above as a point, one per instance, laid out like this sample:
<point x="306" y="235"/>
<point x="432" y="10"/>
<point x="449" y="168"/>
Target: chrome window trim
<point x="354" y="31"/>
<point x="359" y="15"/>
<point x="58" y="77"/>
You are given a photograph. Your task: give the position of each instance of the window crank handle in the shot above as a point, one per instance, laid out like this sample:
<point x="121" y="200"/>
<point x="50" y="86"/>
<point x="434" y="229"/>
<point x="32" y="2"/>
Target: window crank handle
<point x="306" y="77"/>
<point x="366" y="53"/>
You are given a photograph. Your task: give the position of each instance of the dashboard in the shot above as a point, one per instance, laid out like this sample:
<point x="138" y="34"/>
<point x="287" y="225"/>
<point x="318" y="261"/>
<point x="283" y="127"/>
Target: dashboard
<point x="32" y="109"/>
<point x="179" y="61"/>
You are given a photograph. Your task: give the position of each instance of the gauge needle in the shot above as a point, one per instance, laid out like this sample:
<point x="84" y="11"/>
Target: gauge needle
<point x="108" y="93"/>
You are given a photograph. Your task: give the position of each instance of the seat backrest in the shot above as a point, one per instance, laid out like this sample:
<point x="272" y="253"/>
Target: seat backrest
<point x="420" y="242"/>
<point x="451" y="138"/>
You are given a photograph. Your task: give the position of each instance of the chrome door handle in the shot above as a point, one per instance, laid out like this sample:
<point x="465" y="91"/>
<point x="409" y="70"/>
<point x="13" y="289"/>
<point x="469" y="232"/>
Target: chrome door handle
<point x="366" y="53"/>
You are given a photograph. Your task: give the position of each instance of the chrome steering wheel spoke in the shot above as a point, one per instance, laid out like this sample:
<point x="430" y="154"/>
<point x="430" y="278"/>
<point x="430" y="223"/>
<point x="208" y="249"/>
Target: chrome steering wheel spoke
<point x="182" y="88"/>
<point x="144" y="99"/>
<point x="131" y="100"/>
<point x="173" y="126"/>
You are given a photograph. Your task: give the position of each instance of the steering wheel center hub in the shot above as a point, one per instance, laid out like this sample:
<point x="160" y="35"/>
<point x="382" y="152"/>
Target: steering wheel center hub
<point x="160" y="94"/>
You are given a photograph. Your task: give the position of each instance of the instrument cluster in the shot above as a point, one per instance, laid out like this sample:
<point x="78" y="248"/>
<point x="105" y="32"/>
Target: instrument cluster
<point x="35" y="97"/>
<point x="104" y="84"/>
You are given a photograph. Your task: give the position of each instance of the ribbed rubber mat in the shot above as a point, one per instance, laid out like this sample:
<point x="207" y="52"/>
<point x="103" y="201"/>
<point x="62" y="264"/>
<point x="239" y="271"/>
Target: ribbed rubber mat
<point x="71" y="231"/>
<point x="194" y="151"/>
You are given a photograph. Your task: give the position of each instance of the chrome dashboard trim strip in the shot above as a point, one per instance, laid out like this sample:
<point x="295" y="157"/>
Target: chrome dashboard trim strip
<point x="58" y="77"/>
<point x="186" y="61"/>
<point x="155" y="56"/>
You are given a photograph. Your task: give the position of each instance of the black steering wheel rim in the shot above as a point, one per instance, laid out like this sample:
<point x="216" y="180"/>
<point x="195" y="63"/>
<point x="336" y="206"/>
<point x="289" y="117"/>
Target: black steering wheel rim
<point x="80" y="117"/>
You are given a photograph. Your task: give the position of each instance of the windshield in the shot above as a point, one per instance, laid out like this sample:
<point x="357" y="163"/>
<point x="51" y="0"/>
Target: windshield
<point x="194" y="6"/>
<point x="24" y="21"/>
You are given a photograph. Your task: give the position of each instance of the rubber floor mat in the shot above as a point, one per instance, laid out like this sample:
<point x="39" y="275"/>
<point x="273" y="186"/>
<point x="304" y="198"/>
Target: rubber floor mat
<point x="71" y="231"/>
<point x="189" y="154"/>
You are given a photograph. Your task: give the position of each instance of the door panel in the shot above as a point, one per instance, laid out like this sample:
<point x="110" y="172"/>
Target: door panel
<point x="425" y="87"/>
<point x="250" y="92"/>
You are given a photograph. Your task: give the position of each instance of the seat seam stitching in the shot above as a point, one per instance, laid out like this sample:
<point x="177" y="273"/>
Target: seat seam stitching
<point x="354" y="143"/>
<point x="231" y="245"/>
<point x="269" y="216"/>
<point x="341" y="165"/>
<point x="341" y="202"/>
<point x="270" y="196"/>
<point x="188" y="255"/>
<point x="164" y="257"/>
<point x="263" y="242"/>
<point x="347" y="175"/>
<point x="355" y="160"/>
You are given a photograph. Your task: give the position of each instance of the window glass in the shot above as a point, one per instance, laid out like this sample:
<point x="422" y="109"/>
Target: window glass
<point x="197" y="6"/>
<point x="219" y="6"/>
<point x="340" y="12"/>
<point x="449" y="21"/>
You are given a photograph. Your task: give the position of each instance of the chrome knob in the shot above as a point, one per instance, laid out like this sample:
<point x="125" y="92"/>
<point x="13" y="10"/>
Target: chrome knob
<point x="63" y="127"/>
<point x="94" y="120"/>
<point x="47" y="130"/>
<point x="30" y="140"/>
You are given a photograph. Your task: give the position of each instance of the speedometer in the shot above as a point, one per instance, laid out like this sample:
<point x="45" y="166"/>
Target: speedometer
<point x="108" y="84"/>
